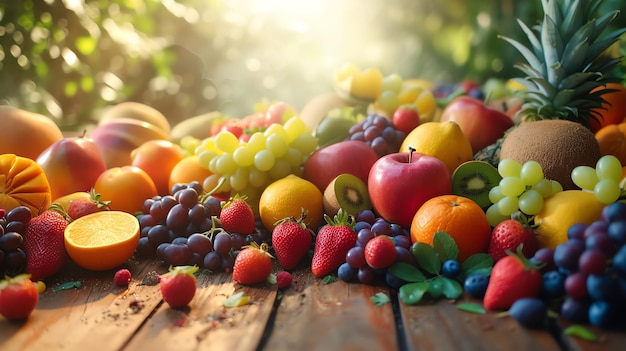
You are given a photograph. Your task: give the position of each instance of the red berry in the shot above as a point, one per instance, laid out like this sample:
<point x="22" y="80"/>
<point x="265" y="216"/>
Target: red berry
<point x="237" y="216"/>
<point x="122" y="277"/>
<point x="283" y="279"/>
<point x="178" y="286"/>
<point x="252" y="265"/>
<point x="380" y="252"/>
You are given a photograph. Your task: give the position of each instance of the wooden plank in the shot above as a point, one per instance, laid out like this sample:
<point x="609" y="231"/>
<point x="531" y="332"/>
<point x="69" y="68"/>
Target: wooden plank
<point x="98" y="315"/>
<point x="336" y="316"/>
<point x="608" y="340"/>
<point x="441" y="326"/>
<point x="206" y="323"/>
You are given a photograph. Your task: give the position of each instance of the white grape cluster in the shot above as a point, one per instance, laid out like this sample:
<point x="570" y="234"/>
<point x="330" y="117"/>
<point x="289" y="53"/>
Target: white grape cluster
<point x="603" y="181"/>
<point x="247" y="167"/>
<point x="522" y="188"/>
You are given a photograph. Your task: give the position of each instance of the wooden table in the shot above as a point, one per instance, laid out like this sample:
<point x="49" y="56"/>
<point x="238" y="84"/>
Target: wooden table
<point x="310" y="315"/>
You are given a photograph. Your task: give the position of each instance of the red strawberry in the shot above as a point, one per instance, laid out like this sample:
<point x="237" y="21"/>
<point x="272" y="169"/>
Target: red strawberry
<point x="44" y="244"/>
<point x="508" y="235"/>
<point x="18" y="297"/>
<point x="291" y="240"/>
<point x="512" y="277"/>
<point x="81" y="207"/>
<point x="380" y="252"/>
<point x="332" y="243"/>
<point x="178" y="286"/>
<point x="253" y="264"/>
<point x="237" y="216"/>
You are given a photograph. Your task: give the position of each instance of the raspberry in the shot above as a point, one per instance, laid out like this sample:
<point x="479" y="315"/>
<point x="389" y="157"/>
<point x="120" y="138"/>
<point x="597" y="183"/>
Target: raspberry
<point x="122" y="277"/>
<point x="283" y="279"/>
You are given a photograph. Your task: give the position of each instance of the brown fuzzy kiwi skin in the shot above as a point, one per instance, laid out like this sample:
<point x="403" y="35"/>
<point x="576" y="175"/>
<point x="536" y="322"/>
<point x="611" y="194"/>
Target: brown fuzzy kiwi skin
<point x="331" y="194"/>
<point x="557" y="145"/>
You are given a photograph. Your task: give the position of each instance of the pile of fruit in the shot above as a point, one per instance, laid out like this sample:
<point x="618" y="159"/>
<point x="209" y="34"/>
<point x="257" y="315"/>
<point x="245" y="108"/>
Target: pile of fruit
<point x="516" y="202"/>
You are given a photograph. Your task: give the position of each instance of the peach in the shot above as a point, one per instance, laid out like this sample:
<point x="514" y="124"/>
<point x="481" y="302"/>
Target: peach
<point x="137" y="111"/>
<point x="127" y="188"/>
<point x="28" y="134"/>
<point x="158" y="158"/>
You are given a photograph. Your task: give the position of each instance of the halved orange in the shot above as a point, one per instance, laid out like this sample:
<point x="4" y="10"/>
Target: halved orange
<point x="103" y="240"/>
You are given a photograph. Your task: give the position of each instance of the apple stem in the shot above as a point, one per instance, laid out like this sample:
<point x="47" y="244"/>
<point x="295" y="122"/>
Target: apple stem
<point x="411" y="151"/>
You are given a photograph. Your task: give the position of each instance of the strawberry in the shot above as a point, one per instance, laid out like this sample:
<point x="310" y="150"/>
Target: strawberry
<point x="81" y="207"/>
<point x="237" y="216"/>
<point x="332" y="243"/>
<point x="512" y="278"/>
<point x="44" y="244"/>
<point x="508" y="235"/>
<point x="253" y="264"/>
<point x="18" y="297"/>
<point x="291" y="240"/>
<point x="380" y="252"/>
<point x="178" y="285"/>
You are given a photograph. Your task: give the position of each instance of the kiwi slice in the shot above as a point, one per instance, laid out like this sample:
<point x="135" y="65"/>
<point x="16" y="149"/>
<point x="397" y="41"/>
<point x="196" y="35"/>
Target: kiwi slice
<point x="473" y="179"/>
<point x="347" y="192"/>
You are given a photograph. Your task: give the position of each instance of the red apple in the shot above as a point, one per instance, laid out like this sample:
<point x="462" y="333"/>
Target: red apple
<point x="71" y="164"/>
<point x="400" y="183"/>
<point x="481" y="124"/>
<point x="348" y="156"/>
<point x="406" y="118"/>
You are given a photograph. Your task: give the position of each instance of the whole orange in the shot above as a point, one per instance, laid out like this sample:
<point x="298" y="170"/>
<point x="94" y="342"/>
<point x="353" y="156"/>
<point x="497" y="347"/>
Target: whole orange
<point x="127" y="188"/>
<point x="612" y="141"/>
<point x="187" y="170"/>
<point x="458" y="216"/>
<point x="158" y="158"/>
<point x="613" y="111"/>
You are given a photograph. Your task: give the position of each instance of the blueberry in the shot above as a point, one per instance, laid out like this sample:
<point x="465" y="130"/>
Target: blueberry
<point x="601" y="286"/>
<point x="553" y="286"/>
<point x="476" y="285"/>
<point x="619" y="261"/>
<point x="614" y="212"/>
<point x="393" y="281"/>
<point x="601" y="314"/>
<point x="617" y="232"/>
<point x="451" y="268"/>
<point x="530" y="312"/>
<point x="575" y="310"/>
<point x="347" y="273"/>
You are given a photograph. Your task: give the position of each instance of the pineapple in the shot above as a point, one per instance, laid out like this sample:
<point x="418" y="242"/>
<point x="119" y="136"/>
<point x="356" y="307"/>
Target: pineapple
<point x="565" y="61"/>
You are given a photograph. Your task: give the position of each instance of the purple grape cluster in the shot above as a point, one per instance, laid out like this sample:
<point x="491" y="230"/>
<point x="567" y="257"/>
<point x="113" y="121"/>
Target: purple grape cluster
<point x="182" y="229"/>
<point x="12" y="228"/>
<point x="367" y="226"/>
<point x="588" y="271"/>
<point x="377" y="132"/>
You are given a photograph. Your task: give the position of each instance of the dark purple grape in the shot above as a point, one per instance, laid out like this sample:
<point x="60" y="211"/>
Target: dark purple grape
<point x="566" y="254"/>
<point x="402" y="241"/>
<point x="619" y="262"/>
<point x="380" y="146"/>
<point x="144" y="248"/>
<point x="381" y="227"/>
<point x="144" y="231"/>
<point x="575" y="310"/>
<point x="360" y="136"/>
<point x="367" y="216"/>
<point x="361" y="225"/>
<point x="200" y="243"/>
<point x="597" y="227"/>
<point x="372" y="132"/>
<point x="196" y="185"/>
<point x="355" y="257"/>
<point x="381" y="122"/>
<point x="15" y="260"/>
<point x="227" y="263"/>
<point x="617" y="232"/>
<point x="347" y="273"/>
<point x="530" y="312"/>
<point x="196" y="214"/>
<point x="237" y="240"/>
<point x="178" y="187"/>
<point x="577" y="231"/>
<point x="157" y="211"/>
<point x="177" y="218"/>
<point x="167" y="202"/>
<point x="177" y="254"/>
<point x="393" y="281"/>
<point x="21" y="214"/>
<point x="576" y="285"/>
<point x="544" y="257"/>
<point x="357" y="127"/>
<point x="147" y="203"/>
<point x="214" y="205"/>
<point x="389" y="134"/>
<point x="195" y="260"/>
<point x="213" y="261"/>
<point x="363" y="236"/>
<point x="11" y="241"/>
<point x="615" y="211"/>
<point x="222" y="243"/>
<point x="602" y="242"/>
<point x="553" y="285"/>
<point x="181" y="240"/>
<point x="187" y="197"/>
<point x="601" y="287"/>
<point x="15" y="226"/>
<point x="397" y="230"/>
<point x="592" y="261"/>
<point x="366" y="275"/>
<point x="158" y="234"/>
<point x="404" y="255"/>
<point x="146" y="220"/>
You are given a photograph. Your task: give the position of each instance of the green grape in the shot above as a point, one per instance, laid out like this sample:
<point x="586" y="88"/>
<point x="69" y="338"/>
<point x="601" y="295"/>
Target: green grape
<point x="584" y="177"/>
<point x="256" y="142"/>
<point x="607" y="191"/>
<point x="530" y="202"/>
<point x="205" y="157"/>
<point x="225" y="164"/>
<point x="305" y="143"/>
<point x="508" y="205"/>
<point x="543" y="187"/>
<point x="294" y="156"/>
<point x="239" y="179"/>
<point x="277" y="145"/>
<point x="509" y="168"/>
<point x="276" y="129"/>
<point x="243" y="156"/>
<point x="556" y="186"/>
<point x="531" y="173"/>
<point x="494" y="216"/>
<point x="226" y="141"/>
<point x="211" y="182"/>
<point x="609" y="167"/>
<point x="392" y="82"/>
<point x="264" y="160"/>
<point x="257" y="178"/>
<point x="388" y="101"/>
<point x="512" y="186"/>
<point x="213" y="165"/>
<point x="495" y="194"/>
<point x="190" y="143"/>
<point x="295" y="127"/>
<point x="207" y="144"/>
<point x="281" y="169"/>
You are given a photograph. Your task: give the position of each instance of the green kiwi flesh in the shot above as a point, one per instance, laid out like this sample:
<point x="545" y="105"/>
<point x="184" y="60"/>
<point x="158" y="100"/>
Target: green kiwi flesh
<point x="348" y="193"/>
<point x="474" y="179"/>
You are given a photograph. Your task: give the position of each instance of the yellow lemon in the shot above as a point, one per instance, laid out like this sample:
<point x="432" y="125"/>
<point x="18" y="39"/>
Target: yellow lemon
<point x="287" y="197"/>
<point x="563" y="209"/>
<point x="443" y="140"/>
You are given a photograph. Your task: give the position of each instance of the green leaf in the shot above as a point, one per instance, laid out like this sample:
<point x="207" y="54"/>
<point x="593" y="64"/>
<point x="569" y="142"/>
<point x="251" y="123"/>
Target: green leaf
<point x="426" y="257"/>
<point x="271" y="278"/>
<point x="445" y="246"/>
<point x="329" y="279"/>
<point x="472" y="307"/>
<point x="435" y="287"/>
<point x="451" y="288"/>
<point x="412" y="293"/>
<point x="380" y="299"/>
<point x="406" y="272"/>
<point x="581" y="332"/>
<point x="480" y="262"/>
<point x="68" y="285"/>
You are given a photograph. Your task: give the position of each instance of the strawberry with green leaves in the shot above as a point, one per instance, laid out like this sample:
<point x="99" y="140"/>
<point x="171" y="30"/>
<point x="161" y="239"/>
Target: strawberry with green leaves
<point x="291" y="240"/>
<point x="83" y="206"/>
<point x="237" y="216"/>
<point x="332" y="243"/>
<point x="18" y="297"/>
<point x="44" y="244"/>
<point x="512" y="278"/>
<point x="508" y="235"/>
<point x="253" y="264"/>
<point x="178" y="285"/>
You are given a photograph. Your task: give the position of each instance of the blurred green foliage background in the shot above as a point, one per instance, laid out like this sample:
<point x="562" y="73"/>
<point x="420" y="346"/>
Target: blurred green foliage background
<point x="68" y="59"/>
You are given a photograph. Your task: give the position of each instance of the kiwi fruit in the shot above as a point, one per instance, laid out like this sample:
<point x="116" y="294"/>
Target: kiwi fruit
<point x="473" y="179"/>
<point x="347" y="192"/>
<point x="557" y="145"/>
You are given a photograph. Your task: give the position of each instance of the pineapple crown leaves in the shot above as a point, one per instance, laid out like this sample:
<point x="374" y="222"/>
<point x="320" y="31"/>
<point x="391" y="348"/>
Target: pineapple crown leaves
<point x="566" y="60"/>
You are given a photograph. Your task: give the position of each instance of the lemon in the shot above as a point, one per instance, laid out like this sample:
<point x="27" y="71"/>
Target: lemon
<point x="563" y="209"/>
<point x="287" y="197"/>
<point x="443" y="140"/>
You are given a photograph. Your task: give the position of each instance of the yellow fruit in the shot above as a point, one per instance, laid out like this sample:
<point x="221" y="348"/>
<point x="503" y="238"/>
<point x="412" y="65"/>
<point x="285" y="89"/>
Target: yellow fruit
<point x="286" y="197"/>
<point x="443" y="140"/>
<point x="65" y="201"/>
<point x="563" y="209"/>
<point x="26" y="134"/>
<point x="361" y="84"/>
<point x="138" y="111"/>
